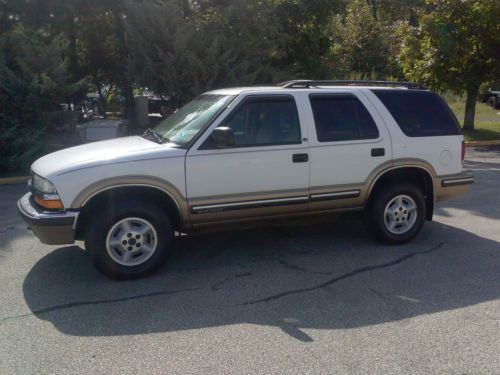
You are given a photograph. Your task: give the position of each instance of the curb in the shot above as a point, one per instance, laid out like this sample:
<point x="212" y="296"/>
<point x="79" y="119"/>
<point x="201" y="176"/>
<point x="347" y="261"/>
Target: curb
<point x="482" y="143"/>
<point x="14" y="180"/>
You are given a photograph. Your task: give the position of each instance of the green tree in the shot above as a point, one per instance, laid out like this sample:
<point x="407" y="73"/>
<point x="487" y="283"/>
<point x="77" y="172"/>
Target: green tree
<point x="456" y="47"/>
<point x="33" y="81"/>
<point x="95" y="40"/>
<point x="393" y="11"/>
<point x="238" y="39"/>
<point x="301" y="51"/>
<point x="98" y="54"/>
<point x="221" y="43"/>
<point x="361" y="45"/>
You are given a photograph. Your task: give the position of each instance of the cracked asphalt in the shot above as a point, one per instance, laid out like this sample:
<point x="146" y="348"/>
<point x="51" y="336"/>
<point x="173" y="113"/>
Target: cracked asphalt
<point x="296" y="297"/>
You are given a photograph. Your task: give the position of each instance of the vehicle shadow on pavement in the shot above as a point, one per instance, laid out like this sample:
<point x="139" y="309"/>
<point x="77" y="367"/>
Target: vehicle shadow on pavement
<point x="324" y="275"/>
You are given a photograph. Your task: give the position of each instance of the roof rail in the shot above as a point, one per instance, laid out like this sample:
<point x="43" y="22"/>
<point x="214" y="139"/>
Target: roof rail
<point x="307" y="83"/>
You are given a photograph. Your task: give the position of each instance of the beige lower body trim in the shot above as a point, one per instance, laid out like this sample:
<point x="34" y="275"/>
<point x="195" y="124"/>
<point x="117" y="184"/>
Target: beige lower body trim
<point x="266" y="218"/>
<point x="337" y="197"/>
<point x="55" y="235"/>
<point x="451" y="186"/>
<point x="246" y="206"/>
<point x="243" y="207"/>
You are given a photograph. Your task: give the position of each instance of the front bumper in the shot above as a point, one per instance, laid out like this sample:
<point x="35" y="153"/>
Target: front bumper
<point x="52" y="228"/>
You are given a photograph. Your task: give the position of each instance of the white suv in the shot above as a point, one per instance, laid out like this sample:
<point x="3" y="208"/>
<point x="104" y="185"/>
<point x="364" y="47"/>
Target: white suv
<point x="251" y="153"/>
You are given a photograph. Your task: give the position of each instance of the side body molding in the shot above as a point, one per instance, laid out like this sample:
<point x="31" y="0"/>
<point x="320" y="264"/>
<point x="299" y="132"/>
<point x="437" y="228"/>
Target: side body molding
<point x="134" y="181"/>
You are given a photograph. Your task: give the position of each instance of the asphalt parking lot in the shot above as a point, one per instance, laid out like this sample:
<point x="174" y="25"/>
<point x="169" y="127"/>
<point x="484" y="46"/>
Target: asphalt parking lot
<point x="318" y="297"/>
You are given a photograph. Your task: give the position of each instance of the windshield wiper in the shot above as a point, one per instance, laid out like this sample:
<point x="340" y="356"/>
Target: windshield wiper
<point x="157" y="136"/>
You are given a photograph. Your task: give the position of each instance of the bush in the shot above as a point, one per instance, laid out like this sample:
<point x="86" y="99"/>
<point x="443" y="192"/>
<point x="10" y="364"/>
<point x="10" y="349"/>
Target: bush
<point x="19" y="147"/>
<point x="33" y="81"/>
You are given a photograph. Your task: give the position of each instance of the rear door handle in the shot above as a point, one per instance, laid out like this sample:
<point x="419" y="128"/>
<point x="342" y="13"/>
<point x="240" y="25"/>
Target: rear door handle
<point x="300" y="158"/>
<point x="378" y="152"/>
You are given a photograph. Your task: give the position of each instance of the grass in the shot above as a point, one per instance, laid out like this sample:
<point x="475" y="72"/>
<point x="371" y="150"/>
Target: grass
<point x="486" y="123"/>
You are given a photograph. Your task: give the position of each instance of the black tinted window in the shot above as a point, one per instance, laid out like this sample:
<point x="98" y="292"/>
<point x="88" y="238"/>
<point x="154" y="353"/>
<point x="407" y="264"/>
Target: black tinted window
<point x="341" y="118"/>
<point x="419" y="113"/>
<point x="261" y="121"/>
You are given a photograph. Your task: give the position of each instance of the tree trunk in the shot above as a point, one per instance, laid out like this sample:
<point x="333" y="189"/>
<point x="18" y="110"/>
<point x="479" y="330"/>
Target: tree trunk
<point x="128" y="93"/>
<point x="102" y="105"/>
<point x="101" y="100"/>
<point x="470" y="107"/>
<point x="186" y="9"/>
<point x="126" y="83"/>
<point x="73" y="59"/>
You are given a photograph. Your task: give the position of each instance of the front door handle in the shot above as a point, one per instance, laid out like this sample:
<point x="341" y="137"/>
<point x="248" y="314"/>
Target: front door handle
<point x="378" y="152"/>
<point x="300" y="158"/>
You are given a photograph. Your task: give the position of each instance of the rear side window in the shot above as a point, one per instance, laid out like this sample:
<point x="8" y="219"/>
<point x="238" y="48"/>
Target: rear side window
<point x="419" y="113"/>
<point x="341" y="118"/>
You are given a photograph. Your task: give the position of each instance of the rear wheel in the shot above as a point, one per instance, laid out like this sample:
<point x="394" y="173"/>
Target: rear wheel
<point x="129" y="239"/>
<point x="397" y="214"/>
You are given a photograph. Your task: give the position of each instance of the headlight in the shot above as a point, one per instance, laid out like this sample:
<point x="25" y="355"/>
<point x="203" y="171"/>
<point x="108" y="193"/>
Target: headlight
<point x="43" y="185"/>
<point x="45" y="193"/>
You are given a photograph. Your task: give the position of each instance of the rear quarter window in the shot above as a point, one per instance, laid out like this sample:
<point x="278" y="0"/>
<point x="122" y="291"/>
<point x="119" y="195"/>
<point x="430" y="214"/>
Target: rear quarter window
<point x="419" y="113"/>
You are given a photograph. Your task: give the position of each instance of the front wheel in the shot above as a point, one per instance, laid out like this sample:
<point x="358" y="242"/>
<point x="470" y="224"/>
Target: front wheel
<point x="128" y="239"/>
<point x="397" y="214"/>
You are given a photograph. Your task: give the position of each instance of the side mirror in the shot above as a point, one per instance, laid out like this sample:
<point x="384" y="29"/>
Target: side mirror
<point x="223" y="137"/>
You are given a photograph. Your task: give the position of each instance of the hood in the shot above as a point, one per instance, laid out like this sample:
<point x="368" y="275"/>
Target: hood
<point x="104" y="152"/>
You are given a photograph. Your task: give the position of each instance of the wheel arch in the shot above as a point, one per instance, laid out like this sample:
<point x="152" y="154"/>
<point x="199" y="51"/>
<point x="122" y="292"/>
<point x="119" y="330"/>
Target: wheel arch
<point x="154" y="193"/>
<point x="415" y="173"/>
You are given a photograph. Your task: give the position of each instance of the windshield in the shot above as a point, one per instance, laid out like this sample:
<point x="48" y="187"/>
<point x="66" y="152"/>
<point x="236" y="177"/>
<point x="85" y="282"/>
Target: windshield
<point x="186" y="122"/>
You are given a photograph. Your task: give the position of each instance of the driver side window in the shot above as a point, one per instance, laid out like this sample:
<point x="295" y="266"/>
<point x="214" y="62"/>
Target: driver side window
<point x="260" y="121"/>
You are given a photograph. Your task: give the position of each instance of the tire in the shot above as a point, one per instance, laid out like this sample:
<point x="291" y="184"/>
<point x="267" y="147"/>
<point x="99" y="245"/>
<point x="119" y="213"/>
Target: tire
<point x="129" y="239"/>
<point x="393" y="206"/>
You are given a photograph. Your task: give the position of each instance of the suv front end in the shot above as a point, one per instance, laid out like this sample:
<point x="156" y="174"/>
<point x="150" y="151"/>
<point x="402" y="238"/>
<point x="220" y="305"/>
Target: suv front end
<point x="42" y="210"/>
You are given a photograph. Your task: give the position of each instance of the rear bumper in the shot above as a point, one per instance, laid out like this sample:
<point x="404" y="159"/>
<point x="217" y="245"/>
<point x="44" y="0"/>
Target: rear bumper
<point x="453" y="185"/>
<point x="52" y="228"/>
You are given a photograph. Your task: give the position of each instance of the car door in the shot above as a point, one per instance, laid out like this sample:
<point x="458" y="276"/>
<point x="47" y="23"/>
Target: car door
<point x="349" y="145"/>
<point x="265" y="172"/>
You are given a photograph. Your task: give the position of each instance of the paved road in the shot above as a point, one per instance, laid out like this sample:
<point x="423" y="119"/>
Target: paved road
<point x="291" y="298"/>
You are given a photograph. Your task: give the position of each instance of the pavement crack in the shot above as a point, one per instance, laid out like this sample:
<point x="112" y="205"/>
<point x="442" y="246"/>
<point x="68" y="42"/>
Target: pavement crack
<point x="14" y="317"/>
<point x="376" y="292"/>
<point x="96" y="302"/>
<point x="345" y="276"/>
<point x="298" y="268"/>
<point x="218" y="285"/>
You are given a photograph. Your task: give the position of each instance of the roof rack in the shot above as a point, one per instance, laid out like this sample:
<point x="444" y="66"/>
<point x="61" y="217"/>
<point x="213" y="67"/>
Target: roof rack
<point x="307" y="83"/>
